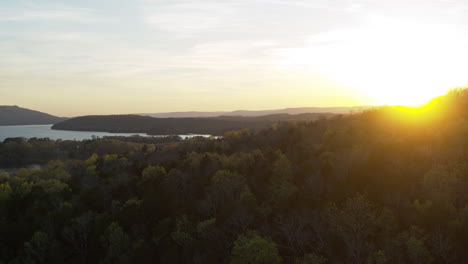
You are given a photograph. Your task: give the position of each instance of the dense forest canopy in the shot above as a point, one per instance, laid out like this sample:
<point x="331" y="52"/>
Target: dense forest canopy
<point x="384" y="186"/>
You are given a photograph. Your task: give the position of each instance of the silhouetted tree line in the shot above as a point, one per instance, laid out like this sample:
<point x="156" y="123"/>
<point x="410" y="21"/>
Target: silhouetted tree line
<point x="384" y="186"/>
<point x="177" y="126"/>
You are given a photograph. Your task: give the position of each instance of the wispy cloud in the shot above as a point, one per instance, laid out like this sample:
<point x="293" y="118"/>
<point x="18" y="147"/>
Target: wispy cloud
<point x="189" y="19"/>
<point x="175" y="47"/>
<point x="252" y="19"/>
<point x="35" y="12"/>
<point x="330" y="5"/>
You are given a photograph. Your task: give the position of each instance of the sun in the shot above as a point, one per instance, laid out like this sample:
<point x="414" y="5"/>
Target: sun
<point x="395" y="62"/>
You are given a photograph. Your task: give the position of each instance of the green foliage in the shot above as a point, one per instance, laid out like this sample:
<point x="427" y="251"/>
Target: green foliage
<point x="53" y="186"/>
<point x="78" y="234"/>
<point x="205" y="226"/>
<point x="250" y="248"/>
<point x="247" y="197"/>
<point x="281" y="187"/>
<point x="414" y="242"/>
<point x="36" y="249"/>
<point x="153" y="173"/>
<point x="5" y="192"/>
<point x="193" y="160"/>
<point x="184" y="233"/>
<point x="373" y="187"/>
<point x="227" y="184"/>
<point x="56" y="170"/>
<point x="4" y="176"/>
<point x="91" y="160"/>
<point x="356" y="222"/>
<point x="417" y="251"/>
<point x="116" y="243"/>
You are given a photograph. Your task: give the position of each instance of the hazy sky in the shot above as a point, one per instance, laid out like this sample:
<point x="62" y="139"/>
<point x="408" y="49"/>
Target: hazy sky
<point x="129" y="56"/>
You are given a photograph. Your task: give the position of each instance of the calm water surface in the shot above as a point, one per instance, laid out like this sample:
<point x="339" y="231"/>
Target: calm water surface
<point x="45" y="131"/>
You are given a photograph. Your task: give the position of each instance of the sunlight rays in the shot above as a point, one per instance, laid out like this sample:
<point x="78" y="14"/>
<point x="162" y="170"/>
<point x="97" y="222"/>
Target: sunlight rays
<point x="393" y="61"/>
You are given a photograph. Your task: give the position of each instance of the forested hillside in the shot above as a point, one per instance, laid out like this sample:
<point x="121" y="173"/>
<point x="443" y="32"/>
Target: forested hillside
<point x="178" y="126"/>
<point x="384" y="186"/>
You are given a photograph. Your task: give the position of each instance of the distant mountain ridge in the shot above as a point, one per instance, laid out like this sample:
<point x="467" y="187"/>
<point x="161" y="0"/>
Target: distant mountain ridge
<point x="15" y="115"/>
<point x="254" y="113"/>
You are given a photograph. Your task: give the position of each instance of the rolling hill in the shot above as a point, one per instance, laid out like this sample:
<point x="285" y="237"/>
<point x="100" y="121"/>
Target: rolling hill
<point x="14" y="115"/>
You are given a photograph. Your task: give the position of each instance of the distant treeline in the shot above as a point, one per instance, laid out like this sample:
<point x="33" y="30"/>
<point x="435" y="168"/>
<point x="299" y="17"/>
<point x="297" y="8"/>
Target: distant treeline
<point x="178" y="126"/>
<point x="385" y="186"/>
<point x="18" y="152"/>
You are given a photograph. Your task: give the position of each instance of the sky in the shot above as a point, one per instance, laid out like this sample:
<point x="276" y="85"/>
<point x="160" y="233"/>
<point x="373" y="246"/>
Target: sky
<point x="71" y="58"/>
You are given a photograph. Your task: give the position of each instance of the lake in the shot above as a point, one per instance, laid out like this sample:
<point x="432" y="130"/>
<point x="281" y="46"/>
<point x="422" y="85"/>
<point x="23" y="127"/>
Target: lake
<point x="45" y="131"/>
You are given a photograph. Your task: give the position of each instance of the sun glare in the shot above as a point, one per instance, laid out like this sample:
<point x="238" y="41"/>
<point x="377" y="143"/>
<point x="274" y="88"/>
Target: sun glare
<point x="395" y="62"/>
